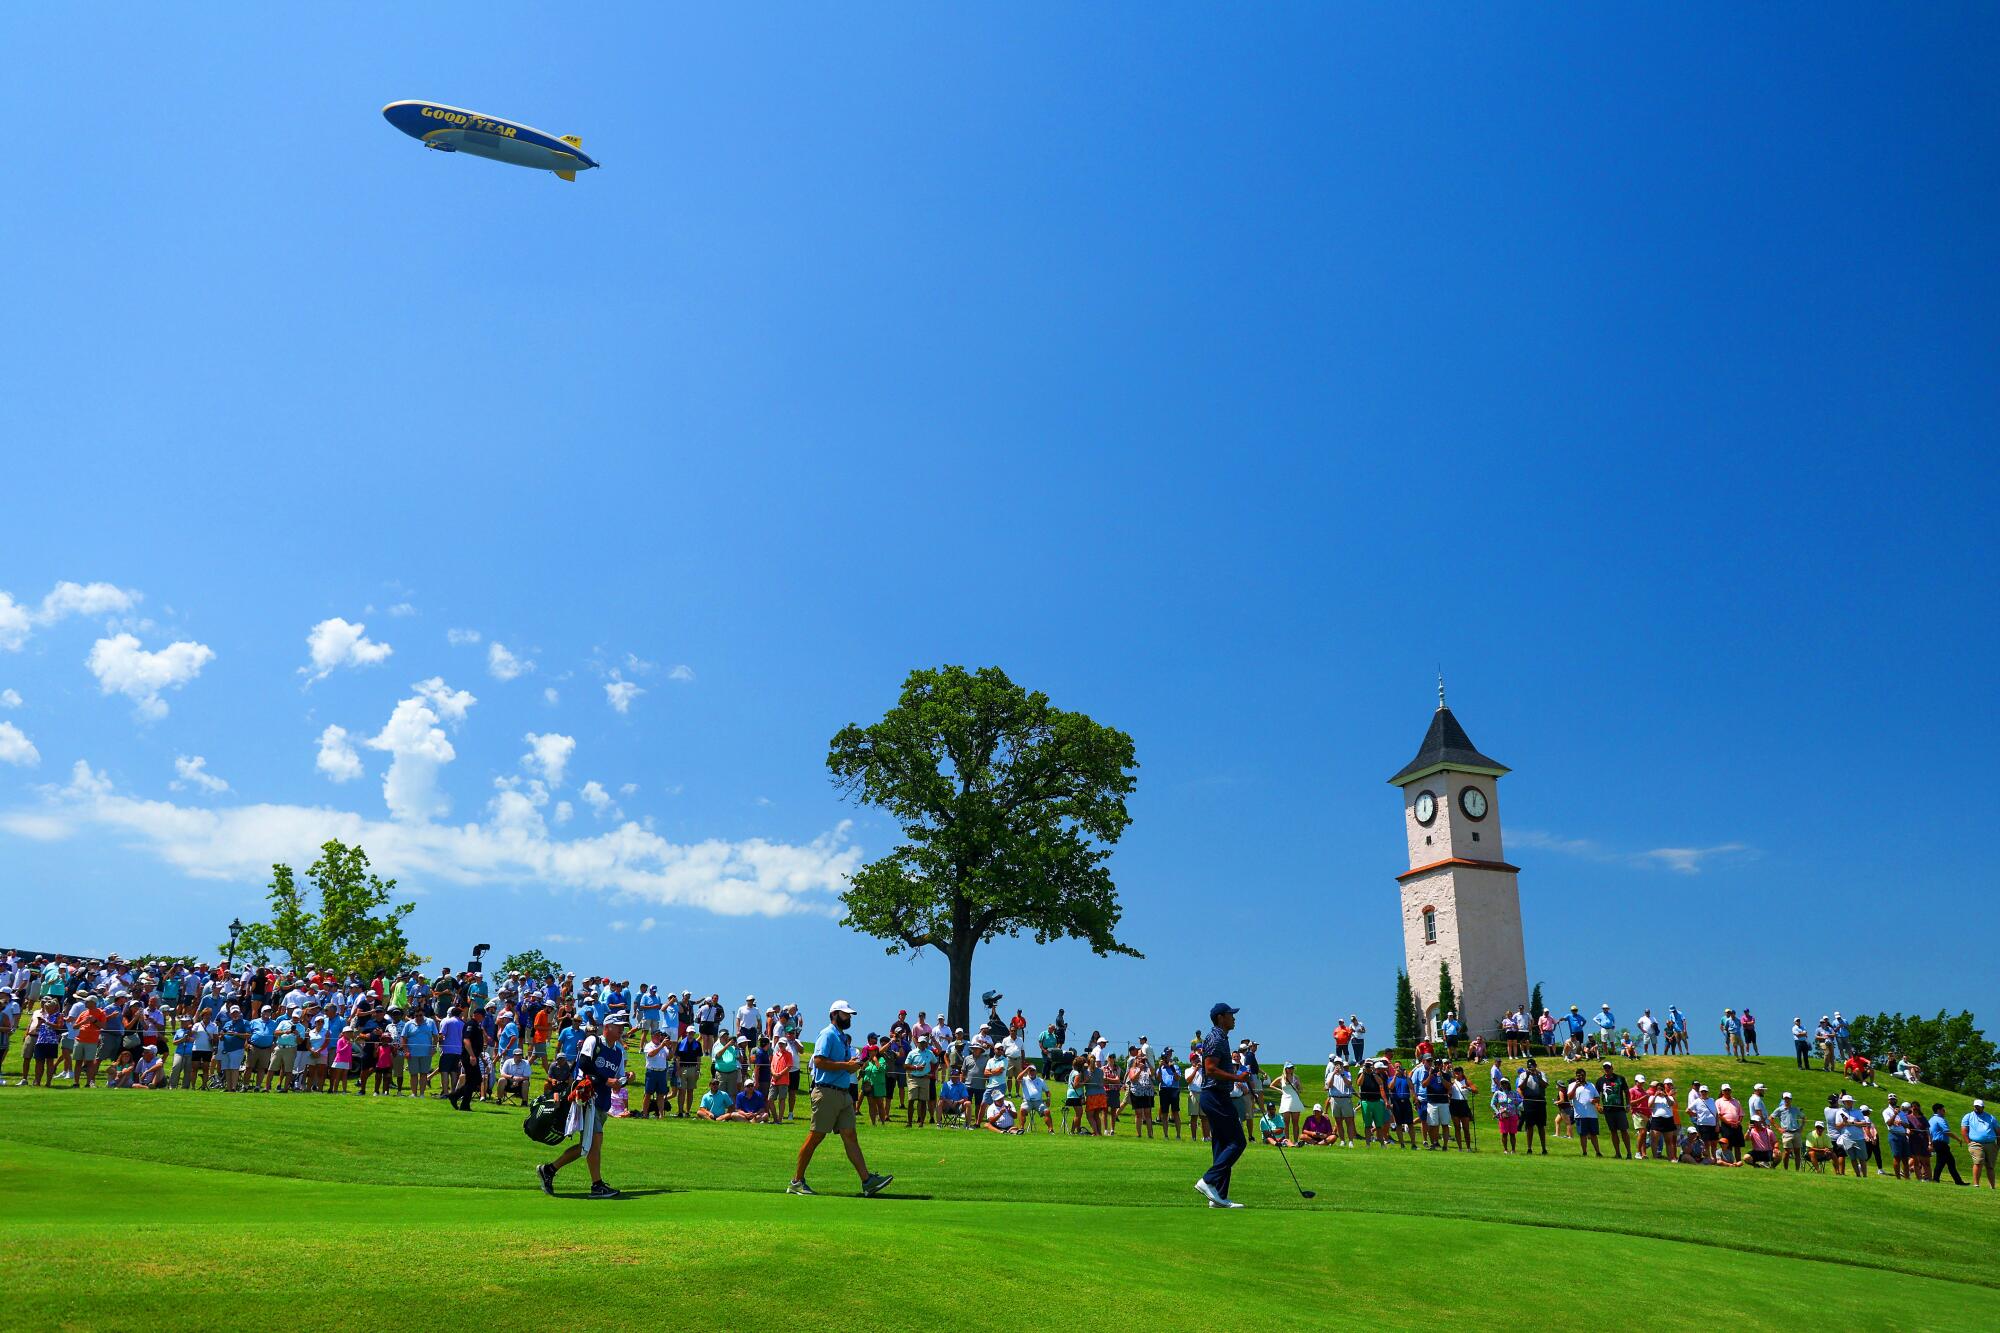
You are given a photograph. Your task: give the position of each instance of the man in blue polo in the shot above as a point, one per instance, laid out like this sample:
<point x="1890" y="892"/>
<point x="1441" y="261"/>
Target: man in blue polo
<point x="834" y="1065"/>
<point x="1225" y="1129"/>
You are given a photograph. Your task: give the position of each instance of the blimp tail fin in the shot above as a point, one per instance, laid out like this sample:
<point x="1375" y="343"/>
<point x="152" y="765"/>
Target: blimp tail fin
<point x="572" y="141"/>
<point x="567" y="175"/>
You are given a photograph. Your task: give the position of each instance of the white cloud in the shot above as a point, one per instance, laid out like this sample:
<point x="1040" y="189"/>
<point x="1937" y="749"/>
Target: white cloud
<point x="460" y="637"/>
<point x="402" y="609"/>
<point x="621" y="693"/>
<point x="334" y="643"/>
<point x="503" y="664"/>
<point x="549" y="755"/>
<point x="16" y="748"/>
<point x="638" y="665"/>
<point x="419" y="748"/>
<point x="564" y="812"/>
<point x="1680" y="860"/>
<point x="620" y="925"/>
<point x="84" y="599"/>
<point x="549" y="695"/>
<point x="628" y="789"/>
<point x="562" y="939"/>
<point x="17" y="621"/>
<point x="594" y="796"/>
<point x="193" y="772"/>
<point x="240" y="843"/>
<point x="683" y="673"/>
<point x="337" y="758"/>
<point x="648" y="924"/>
<point x="123" y="667"/>
<point x="10" y="698"/>
<point x="1688" y="860"/>
<point x="450" y="704"/>
<point x="15" y="624"/>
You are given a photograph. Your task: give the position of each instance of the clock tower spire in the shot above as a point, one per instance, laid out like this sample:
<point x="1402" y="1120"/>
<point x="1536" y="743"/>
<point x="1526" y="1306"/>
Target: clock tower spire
<point x="1461" y="906"/>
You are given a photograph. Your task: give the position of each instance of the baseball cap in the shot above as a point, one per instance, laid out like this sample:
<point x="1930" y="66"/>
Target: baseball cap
<point x="617" y="1016"/>
<point x="1847" y="1096"/>
<point x="1979" y="1103"/>
<point x="1758" y="1087"/>
<point x="1218" y="1009"/>
<point x="841" y="1007"/>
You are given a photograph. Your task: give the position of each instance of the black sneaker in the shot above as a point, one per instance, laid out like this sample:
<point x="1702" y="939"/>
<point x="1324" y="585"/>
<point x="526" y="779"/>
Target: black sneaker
<point x="546" y="1175"/>
<point x="874" y="1185"/>
<point x="600" y="1190"/>
<point x="800" y="1187"/>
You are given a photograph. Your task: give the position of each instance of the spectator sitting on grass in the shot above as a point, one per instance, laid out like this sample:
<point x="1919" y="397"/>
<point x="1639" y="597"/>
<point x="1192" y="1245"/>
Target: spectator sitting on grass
<point x="1272" y="1130"/>
<point x="751" y="1104"/>
<point x="1318" y="1129"/>
<point x="148" y="1075"/>
<point x="717" y="1104"/>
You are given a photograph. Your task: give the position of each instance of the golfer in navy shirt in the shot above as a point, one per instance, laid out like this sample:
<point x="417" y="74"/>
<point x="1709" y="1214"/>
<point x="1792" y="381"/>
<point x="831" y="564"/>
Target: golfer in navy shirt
<point x="1225" y="1130"/>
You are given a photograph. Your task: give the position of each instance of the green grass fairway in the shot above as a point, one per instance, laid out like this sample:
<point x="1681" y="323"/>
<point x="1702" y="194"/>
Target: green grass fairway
<point x="186" y="1209"/>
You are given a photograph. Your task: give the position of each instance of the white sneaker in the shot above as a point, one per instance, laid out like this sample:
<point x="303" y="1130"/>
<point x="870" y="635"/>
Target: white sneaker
<point x="1223" y="1203"/>
<point x="1207" y="1191"/>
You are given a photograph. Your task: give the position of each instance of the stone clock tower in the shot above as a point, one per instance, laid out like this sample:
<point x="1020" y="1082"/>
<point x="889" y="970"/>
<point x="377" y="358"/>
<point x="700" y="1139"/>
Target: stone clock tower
<point x="1460" y="904"/>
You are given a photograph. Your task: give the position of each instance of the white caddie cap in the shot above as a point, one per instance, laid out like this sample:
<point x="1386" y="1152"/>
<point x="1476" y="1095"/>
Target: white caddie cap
<point x="841" y="1007"/>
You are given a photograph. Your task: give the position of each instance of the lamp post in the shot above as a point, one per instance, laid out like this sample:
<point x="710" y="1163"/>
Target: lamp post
<point x="235" y="929"/>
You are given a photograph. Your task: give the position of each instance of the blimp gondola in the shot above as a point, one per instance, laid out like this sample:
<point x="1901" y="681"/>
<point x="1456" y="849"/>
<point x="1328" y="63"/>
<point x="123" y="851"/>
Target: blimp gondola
<point x="453" y="129"/>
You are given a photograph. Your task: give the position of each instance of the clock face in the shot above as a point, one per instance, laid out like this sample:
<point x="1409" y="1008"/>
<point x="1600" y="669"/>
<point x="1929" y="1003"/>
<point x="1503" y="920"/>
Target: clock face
<point x="1473" y="802"/>
<point x="1427" y="807"/>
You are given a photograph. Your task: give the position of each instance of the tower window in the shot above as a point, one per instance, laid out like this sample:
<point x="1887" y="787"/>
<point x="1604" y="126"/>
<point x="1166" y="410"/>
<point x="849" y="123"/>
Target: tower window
<point x="1430" y="925"/>
<point x="1475" y="835"/>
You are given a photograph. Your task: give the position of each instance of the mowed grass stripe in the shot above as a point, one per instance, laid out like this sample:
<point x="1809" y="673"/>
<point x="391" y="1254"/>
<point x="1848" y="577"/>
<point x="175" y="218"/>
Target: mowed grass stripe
<point x="1888" y="1226"/>
<point x="325" y="1254"/>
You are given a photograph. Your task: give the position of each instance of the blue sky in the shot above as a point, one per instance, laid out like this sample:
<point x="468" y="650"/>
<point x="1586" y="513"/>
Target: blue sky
<point x="1221" y="374"/>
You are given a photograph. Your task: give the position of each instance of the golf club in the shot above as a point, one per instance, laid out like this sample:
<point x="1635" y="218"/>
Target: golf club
<point x="1304" y="1193"/>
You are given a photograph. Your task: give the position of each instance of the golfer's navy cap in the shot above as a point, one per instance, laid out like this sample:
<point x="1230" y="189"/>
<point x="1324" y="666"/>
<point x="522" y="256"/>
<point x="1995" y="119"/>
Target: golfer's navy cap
<point x="1218" y="1009"/>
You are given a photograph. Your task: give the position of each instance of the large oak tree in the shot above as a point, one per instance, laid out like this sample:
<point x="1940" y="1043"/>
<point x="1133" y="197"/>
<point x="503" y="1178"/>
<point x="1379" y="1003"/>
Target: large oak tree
<point x="1009" y="807"/>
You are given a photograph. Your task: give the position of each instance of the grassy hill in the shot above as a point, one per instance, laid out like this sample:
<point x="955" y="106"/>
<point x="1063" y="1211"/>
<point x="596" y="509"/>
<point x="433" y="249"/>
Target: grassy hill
<point x="203" y="1210"/>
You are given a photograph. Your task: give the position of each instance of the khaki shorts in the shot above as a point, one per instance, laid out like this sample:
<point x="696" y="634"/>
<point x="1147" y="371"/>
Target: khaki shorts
<point x="832" y="1110"/>
<point x="1985" y="1154"/>
<point x="920" y="1089"/>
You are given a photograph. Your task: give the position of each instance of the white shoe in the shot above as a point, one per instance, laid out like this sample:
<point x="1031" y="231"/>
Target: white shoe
<point x="1207" y="1191"/>
<point x="1223" y="1203"/>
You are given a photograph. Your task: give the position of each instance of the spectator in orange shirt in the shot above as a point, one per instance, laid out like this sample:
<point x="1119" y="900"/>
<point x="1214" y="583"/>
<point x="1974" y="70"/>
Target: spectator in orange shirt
<point x="89" y="1031"/>
<point x="538" y="1051"/>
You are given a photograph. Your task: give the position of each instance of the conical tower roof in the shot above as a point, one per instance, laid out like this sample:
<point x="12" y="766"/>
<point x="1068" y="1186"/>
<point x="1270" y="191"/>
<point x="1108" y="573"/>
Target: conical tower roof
<point x="1446" y="746"/>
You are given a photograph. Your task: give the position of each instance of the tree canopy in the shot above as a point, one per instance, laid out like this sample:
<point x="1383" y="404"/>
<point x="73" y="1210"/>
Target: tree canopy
<point x="354" y="930"/>
<point x="530" y="963"/>
<point x="1009" y="807"/>
<point x="1952" y="1052"/>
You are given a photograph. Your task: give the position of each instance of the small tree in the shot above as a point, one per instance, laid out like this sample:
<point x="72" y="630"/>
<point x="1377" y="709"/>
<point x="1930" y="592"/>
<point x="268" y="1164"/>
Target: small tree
<point x="1408" y="1024"/>
<point x="530" y="963"/>
<point x="1447" y="996"/>
<point x="350" y="933"/>
<point x="1535" y="1002"/>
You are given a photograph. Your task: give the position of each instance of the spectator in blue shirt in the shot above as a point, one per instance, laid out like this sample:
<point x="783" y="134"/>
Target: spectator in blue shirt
<point x="750" y="1104"/>
<point x="1941" y="1158"/>
<point x="1982" y="1137"/>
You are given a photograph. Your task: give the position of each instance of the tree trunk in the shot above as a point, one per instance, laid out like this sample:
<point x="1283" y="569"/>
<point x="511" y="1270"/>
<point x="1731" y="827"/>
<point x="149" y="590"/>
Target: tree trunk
<point x="960" y="999"/>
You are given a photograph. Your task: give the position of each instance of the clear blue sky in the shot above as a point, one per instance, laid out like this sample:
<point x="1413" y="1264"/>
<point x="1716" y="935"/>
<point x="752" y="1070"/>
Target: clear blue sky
<point x="1220" y="374"/>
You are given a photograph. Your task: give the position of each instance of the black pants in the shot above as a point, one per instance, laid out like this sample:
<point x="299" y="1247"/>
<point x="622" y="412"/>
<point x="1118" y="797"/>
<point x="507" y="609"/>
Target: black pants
<point x="1941" y="1162"/>
<point x="1225" y="1134"/>
<point x="461" y="1096"/>
<point x="1804" y="1054"/>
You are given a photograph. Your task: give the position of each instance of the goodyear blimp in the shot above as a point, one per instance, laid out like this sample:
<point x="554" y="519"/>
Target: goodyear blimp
<point x="453" y="129"/>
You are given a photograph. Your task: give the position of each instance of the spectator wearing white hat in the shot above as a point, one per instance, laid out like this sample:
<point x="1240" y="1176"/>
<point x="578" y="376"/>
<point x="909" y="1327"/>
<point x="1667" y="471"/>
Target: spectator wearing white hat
<point x="1982" y="1140"/>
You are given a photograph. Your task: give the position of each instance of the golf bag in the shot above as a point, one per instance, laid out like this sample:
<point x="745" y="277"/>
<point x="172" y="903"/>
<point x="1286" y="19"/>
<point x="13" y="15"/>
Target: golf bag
<point x="547" y="1121"/>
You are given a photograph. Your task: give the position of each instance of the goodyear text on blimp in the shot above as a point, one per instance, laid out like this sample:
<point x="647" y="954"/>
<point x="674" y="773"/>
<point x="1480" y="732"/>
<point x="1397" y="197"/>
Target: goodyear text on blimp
<point x="469" y="122"/>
